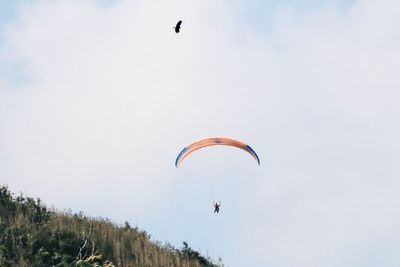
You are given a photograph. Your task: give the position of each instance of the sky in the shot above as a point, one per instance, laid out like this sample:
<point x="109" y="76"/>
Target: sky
<point x="97" y="98"/>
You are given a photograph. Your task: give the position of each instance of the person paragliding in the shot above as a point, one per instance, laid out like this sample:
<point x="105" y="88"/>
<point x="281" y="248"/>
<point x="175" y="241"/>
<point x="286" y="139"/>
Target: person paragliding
<point x="214" y="141"/>
<point x="216" y="207"/>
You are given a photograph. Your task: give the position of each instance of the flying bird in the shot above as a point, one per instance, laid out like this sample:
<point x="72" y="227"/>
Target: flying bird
<point x="178" y="26"/>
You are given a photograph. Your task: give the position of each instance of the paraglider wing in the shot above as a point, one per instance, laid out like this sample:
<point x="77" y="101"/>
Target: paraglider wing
<point x="214" y="141"/>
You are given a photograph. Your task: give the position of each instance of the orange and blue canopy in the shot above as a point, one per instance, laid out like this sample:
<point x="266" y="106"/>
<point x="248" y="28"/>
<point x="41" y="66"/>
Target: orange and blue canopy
<point x="214" y="141"/>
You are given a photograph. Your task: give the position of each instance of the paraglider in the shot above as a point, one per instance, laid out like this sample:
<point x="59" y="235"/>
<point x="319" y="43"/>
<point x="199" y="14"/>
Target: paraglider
<point x="214" y="141"/>
<point x="216" y="207"/>
<point x="178" y="26"/>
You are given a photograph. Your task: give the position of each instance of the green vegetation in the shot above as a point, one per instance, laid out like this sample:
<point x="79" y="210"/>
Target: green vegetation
<point x="32" y="235"/>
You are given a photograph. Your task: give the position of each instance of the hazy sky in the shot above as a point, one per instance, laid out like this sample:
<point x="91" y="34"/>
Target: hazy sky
<point x="97" y="98"/>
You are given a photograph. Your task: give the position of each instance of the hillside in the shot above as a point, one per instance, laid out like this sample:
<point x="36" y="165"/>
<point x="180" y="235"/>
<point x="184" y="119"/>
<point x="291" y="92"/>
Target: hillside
<point x="32" y="235"/>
